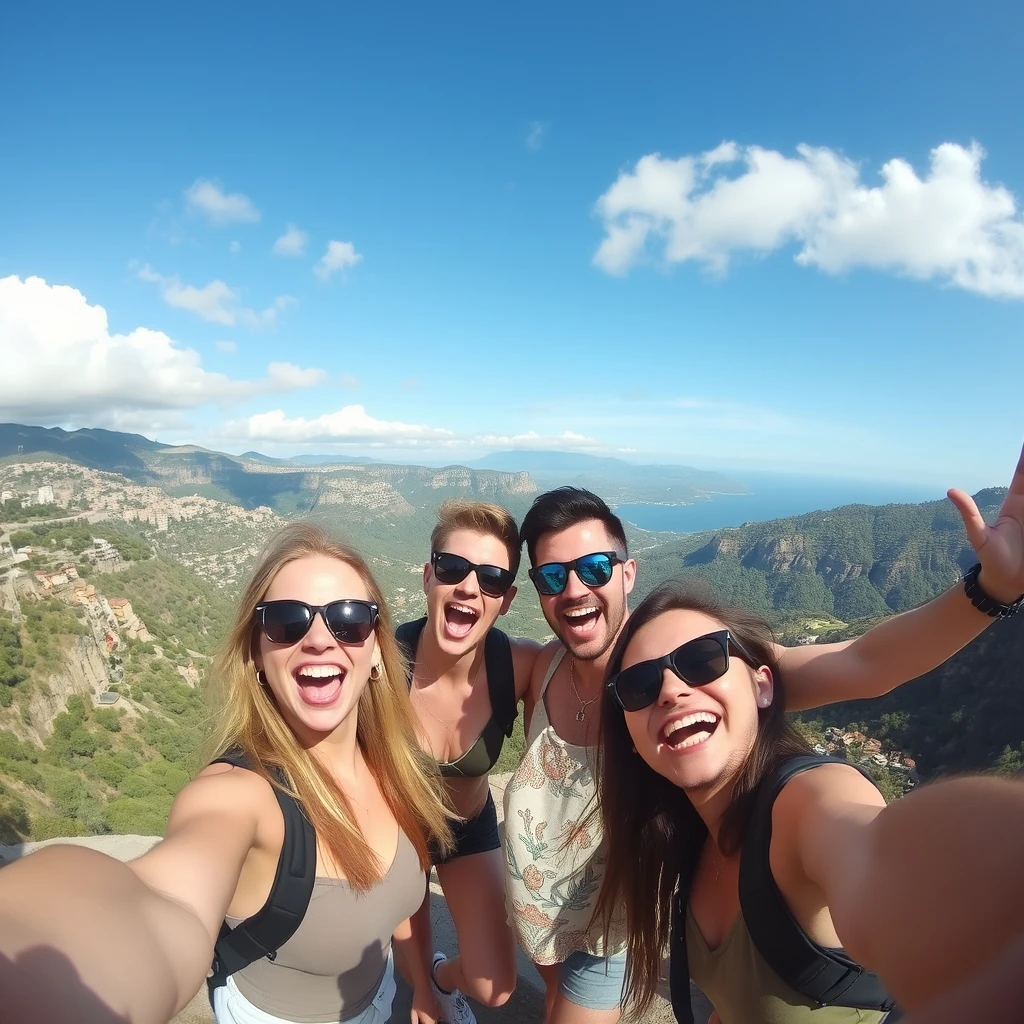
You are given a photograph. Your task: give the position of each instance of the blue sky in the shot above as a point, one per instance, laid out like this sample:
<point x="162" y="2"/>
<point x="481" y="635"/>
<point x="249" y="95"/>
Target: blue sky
<point x="734" y="238"/>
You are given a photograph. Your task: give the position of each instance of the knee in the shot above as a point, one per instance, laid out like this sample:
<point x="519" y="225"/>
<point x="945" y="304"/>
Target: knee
<point x="495" y="991"/>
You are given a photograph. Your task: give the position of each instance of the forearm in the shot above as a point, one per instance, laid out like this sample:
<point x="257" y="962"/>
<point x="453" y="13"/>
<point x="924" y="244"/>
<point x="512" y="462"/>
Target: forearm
<point x="77" y="927"/>
<point x="940" y="891"/>
<point x="994" y="994"/>
<point x="895" y="651"/>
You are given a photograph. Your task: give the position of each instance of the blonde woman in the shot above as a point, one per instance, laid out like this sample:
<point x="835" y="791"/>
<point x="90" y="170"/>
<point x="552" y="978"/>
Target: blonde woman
<point x="302" y="907"/>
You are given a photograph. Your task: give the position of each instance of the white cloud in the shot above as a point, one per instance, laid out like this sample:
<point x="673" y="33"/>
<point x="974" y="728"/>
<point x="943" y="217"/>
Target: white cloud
<point x="536" y="135"/>
<point x="228" y="347"/>
<point x="353" y="425"/>
<point x="289" y="377"/>
<point x="103" y="375"/>
<point x="220" y="207"/>
<point x="950" y="225"/>
<point x="338" y="257"/>
<point x="292" y="242"/>
<point x="216" y="302"/>
<point x="567" y="440"/>
<point x="234" y="247"/>
<point x="349" y="424"/>
<point x="350" y="382"/>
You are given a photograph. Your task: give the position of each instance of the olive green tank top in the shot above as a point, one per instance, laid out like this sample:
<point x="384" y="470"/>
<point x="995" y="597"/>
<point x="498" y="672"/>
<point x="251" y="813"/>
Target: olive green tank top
<point x="745" y="990"/>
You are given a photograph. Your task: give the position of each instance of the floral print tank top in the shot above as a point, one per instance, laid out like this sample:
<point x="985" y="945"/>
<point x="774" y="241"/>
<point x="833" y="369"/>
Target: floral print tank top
<point x="554" y="849"/>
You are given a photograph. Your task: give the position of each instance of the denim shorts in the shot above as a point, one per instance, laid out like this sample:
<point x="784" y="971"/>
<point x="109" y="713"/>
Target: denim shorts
<point x="231" y="1007"/>
<point x="593" y="982"/>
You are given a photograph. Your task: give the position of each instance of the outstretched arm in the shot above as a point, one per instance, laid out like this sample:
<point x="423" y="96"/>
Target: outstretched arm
<point x="926" y="891"/>
<point x="908" y="645"/>
<point x="135" y="941"/>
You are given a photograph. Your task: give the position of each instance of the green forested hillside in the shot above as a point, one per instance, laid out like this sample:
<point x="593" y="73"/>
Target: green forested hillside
<point x="965" y="715"/>
<point x="848" y="563"/>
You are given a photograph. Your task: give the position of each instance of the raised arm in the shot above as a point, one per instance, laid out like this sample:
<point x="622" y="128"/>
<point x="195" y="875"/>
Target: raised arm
<point x="926" y="891"/>
<point x="135" y="941"/>
<point x="906" y="646"/>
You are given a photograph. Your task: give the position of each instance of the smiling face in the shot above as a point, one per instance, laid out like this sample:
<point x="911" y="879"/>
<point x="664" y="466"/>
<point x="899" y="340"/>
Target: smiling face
<point x="460" y="614"/>
<point x="316" y="682"/>
<point x="587" y="620"/>
<point x="697" y="737"/>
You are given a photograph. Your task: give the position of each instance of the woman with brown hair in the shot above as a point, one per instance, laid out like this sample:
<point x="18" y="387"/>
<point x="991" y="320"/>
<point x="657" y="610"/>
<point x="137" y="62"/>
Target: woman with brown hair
<point x="299" y="851"/>
<point x="778" y="880"/>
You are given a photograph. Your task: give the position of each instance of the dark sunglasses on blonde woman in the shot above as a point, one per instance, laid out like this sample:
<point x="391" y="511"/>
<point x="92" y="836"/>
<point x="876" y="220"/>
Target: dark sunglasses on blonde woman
<point x="287" y="622"/>
<point x="697" y="662"/>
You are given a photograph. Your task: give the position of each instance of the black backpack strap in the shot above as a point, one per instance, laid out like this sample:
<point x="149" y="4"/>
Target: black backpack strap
<point x="408" y="637"/>
<point x="678" y="960"/>
<point x="501" y="679"/>
<point x="826" y="976"/>
<point x="263" y="934"/>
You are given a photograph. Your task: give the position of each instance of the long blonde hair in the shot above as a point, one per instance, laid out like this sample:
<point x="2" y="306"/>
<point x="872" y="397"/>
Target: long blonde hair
<point x="246" y="717"/>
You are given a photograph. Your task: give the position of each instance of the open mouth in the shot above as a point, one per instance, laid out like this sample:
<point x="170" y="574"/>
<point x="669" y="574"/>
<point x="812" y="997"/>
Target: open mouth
<point x="459" y="619"/>
<point x="690" y="731"/>
<point x="319" y="684"/>
<point x="582" y="621"/>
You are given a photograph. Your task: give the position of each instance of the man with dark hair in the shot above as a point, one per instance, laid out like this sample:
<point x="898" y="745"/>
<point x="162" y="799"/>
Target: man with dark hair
<point x="583" y="574"/>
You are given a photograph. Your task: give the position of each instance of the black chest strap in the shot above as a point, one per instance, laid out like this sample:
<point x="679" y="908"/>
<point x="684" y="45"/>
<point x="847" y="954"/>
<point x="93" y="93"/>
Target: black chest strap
<point x="824" y="975"/>
<point x="263" y="934"/>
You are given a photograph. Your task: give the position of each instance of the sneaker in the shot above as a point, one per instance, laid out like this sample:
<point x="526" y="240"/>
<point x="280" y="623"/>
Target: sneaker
<point x="454" y="1007"/>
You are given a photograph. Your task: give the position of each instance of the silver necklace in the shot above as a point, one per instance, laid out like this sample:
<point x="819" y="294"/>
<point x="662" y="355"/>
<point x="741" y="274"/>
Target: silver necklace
<point x="584" y="704"/>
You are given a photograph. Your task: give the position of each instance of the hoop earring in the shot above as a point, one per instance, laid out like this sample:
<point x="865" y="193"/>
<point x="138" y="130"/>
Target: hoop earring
<point x="261" y="677"/>
<point x="375" y="671"/>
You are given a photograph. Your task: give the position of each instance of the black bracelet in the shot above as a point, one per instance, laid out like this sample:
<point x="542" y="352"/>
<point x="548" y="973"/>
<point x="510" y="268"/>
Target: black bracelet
<point x="989" y="605"/>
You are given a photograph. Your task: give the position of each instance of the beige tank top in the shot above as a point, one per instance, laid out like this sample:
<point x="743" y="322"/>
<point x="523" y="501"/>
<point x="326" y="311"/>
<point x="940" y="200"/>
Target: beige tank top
<point x="331" y="968"/>
<point x="555" y="856"/>
<point x="745" y="990"/>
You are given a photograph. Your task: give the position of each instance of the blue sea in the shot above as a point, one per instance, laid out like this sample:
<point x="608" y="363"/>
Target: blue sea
<point x="774" y="496"/>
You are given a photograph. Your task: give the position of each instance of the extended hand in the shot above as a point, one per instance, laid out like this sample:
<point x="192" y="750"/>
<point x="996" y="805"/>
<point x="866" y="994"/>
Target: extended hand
<point x="999" y="547"/>
<point x="424" y="1008"/>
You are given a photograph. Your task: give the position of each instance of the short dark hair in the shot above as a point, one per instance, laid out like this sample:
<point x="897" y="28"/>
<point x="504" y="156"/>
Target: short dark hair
<point x="557" y="510"/>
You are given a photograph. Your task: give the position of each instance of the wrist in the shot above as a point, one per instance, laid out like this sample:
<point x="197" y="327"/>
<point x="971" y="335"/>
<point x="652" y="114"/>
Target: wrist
<point x="986" y="593"/>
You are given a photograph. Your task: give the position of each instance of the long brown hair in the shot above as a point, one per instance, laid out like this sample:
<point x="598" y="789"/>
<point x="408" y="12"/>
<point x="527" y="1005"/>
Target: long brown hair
<point x="652" y="832"/>
<point x="247" y="717"/>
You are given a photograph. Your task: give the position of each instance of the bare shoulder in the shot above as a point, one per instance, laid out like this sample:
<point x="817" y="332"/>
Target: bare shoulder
<point x="820" y="819"/>
<point x="221" y="808"/>
<point x="524" y="657"/>
<point x="827" y="786"/>
<point x="214" y="823"/>
<point x="542" y="663"/>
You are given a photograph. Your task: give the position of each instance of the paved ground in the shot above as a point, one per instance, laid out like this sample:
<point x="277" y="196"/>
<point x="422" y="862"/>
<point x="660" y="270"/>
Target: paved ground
<point x="525" y="1007"/>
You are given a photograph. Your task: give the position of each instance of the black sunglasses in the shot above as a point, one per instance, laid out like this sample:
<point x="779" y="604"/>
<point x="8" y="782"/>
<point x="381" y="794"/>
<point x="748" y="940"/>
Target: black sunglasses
<point x="287" y="622"/>
<point x="593" y="570"/>
<point x="697" y="662"/>
<point x="448" y="568"/>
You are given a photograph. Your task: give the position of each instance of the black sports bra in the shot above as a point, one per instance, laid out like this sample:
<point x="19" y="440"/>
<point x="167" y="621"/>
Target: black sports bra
<point x="501" y="688"/>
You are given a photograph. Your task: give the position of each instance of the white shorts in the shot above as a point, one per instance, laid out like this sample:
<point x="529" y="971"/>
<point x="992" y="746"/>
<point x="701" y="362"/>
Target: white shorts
<point x="231" y="1007"/>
